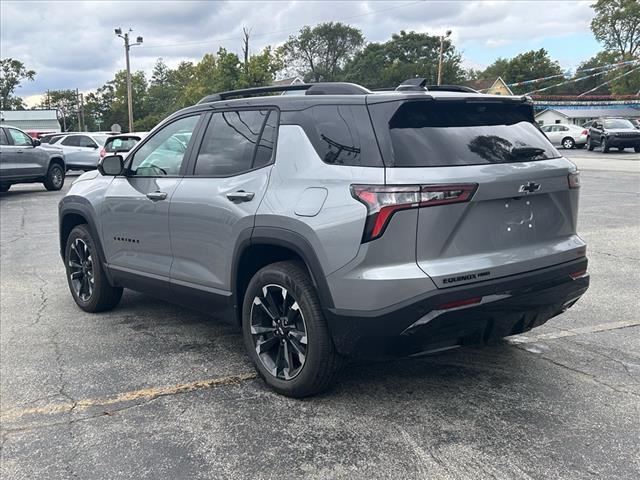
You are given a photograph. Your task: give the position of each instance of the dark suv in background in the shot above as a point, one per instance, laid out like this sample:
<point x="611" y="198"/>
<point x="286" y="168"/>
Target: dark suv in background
<point x="611" y="133"/>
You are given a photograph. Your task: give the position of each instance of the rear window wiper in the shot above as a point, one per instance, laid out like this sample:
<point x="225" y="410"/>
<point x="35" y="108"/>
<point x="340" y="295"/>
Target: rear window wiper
<point x="526" y="152"/>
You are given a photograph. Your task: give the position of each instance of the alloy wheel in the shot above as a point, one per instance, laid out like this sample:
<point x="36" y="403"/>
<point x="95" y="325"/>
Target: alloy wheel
<point x="56" y="177"/>
<point x="81" y="269"/>
<point x="279" y="332"/>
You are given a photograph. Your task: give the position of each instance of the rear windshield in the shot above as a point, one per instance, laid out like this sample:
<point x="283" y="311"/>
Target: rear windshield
<point x="120" y="144"/>
<point x="441" y="133"/>
<point x="100" y="139"/>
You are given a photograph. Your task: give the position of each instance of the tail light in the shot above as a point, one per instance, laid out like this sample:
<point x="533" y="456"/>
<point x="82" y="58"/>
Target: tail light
<point x="382" y="201"/>
<point x="585" y="132"/>
<point x="103" y="152"/>
<point x="574" y="180"/>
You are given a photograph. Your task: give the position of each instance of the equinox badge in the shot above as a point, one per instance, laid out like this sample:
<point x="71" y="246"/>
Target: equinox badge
<point x="529" y="187"/>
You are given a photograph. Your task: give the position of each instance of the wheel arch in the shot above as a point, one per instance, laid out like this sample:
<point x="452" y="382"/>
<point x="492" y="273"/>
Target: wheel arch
<point x="267" y="245"/>
<point x="57" y="160"/>
<point x="71" y="216"/>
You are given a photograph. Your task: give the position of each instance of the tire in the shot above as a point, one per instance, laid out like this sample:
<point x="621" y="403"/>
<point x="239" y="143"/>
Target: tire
<point x="5" y="188"/>
<point x="605" y="147"/>
<point x="55" y="177"/>
<point x="96" y="296"/>
<point x="589" y="144"/>
<point x="568" y="143"/>
<point x="636" y="149"/>
<point x="275" y="287"/>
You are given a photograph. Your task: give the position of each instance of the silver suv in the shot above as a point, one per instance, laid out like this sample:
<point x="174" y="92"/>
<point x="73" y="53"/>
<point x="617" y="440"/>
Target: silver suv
<point x="336" y="222"/>
<point x="25" y="160"/>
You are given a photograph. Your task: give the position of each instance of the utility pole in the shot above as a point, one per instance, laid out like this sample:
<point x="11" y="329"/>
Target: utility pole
<point x="442" y="37"/>
<point x="127" y="47"/>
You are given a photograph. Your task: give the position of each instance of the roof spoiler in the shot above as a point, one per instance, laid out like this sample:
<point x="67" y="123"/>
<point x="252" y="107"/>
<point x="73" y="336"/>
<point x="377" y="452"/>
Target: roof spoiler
<point x="419" y="84"/>
<point x="322" y="88"/>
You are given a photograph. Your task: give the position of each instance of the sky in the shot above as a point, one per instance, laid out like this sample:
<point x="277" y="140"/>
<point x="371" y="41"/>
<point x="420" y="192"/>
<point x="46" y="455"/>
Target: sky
<point x="72" y="44"/>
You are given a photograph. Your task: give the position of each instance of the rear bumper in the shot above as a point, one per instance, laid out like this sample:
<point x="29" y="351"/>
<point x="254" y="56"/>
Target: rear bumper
<point x="502" y="307"/>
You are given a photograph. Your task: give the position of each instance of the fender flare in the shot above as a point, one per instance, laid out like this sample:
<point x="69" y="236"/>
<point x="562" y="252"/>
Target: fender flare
<point x="293" y="241"/>
<point x="67" y="206"/>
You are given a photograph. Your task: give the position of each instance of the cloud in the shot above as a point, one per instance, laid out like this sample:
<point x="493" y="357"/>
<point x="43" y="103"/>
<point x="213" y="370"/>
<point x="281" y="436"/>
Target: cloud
<point x="72" y="44"/>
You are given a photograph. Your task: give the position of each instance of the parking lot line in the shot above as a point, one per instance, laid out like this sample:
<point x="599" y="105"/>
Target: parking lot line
<point x="602" y="327"/>
<point x="145" y="394"/>
<point x="155" y="392"/>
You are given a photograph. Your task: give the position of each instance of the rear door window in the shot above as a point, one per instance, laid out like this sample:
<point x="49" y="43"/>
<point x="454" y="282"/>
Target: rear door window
<point x="453" y="133"/>
<point x="71" y="141"/>
<point x="233" y="140"/>
<point x="3" y="137"/>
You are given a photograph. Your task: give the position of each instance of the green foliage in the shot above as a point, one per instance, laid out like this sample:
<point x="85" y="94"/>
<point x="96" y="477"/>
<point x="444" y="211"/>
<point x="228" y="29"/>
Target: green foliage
<point x="66" y="102"/>
<point x="617" y="25"/>
<point x="319" y="53"/>
<point x="526" y="66"/>
<point x="12" y="73"/>
<point x="406" y="55"/>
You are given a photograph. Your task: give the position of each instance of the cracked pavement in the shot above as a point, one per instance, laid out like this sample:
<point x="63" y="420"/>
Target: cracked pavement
<point x="152" y="390"/>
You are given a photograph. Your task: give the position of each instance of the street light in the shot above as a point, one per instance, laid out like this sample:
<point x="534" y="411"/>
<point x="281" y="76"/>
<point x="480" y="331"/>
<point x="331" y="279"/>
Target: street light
<point x="127" y="46"/>
<point x="442" y="37"/>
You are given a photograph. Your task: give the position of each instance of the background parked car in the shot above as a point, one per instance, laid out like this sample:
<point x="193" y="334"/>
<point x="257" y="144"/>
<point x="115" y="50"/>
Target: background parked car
<point x="613" y="133"/>
<point x="121" y="143"/>
<point x="24" y="160"/>
<point x="81" y="149"/>
<point x="635" y="122"/>
<point x="566" y="135"/>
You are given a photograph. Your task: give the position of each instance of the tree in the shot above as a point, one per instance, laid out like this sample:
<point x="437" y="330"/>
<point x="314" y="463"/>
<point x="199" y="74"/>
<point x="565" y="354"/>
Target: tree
<point x="13" y="72"/>
<point x="66" y="103"/>
<point x="319" y="53"/>
<point x="526" y="66"/>
<point x="406" y="55"/>
<point x="617" y="25"/>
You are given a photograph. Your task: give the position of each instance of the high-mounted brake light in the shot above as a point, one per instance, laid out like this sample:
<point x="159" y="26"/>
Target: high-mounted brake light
<point x="574" y="180"/>
<point x="382" y="201"/>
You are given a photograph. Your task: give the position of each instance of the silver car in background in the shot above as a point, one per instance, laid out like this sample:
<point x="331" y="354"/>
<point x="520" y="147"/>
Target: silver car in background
<point x="566" y="135"/>
<point x="81" y="149"/>
<point x="121" y="143"/>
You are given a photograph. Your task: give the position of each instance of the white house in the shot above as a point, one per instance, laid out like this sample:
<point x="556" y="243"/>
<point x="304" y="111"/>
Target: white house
<point x="33" y="122"/>
<point x="579" y="116"/>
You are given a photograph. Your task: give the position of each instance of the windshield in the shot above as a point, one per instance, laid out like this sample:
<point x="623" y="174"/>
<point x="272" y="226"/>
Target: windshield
<point x="617" y="123"/>
<point x="450" y="133"/>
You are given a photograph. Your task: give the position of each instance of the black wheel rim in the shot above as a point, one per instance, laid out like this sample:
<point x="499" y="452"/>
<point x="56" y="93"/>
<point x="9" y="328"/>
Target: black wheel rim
<point x="81" y="270"/>
<point x="56" y="177"/>
<point x="279" y="332"/>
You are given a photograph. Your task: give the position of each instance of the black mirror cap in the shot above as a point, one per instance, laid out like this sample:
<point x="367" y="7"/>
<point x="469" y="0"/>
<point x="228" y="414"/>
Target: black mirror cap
<point x="111" y="165"/>
<point x="37" y="143"/>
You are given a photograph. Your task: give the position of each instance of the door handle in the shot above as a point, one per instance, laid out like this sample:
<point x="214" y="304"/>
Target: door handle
<point x="156" y="196"/>
<point x="241" y="196"/>
<point x="19" y="151"/>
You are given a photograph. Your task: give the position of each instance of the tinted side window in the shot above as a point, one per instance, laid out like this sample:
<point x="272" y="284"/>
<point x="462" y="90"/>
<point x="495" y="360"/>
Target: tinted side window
<point x="20" y="139"/>
<point x="3" y="137"/>
<point x="230" y="142"/>
<point x="85" y="141"/>
<point x="71" y="141"/>
<point x="340" y="134"/>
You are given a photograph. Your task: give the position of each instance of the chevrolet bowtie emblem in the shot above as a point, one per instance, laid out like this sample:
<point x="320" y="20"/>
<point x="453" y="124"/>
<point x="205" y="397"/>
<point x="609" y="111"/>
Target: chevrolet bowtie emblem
<point x="529" y="187"/>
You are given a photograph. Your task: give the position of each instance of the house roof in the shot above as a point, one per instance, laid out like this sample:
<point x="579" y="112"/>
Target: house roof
<point x="287" y="81"/>
<point x="595" y="112"/>
<point x="39" y="120"/>
<point x="486" y="83"/>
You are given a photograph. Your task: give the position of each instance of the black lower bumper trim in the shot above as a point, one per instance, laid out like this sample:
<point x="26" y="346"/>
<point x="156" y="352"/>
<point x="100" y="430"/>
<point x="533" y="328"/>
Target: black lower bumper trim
<point x="514" y="305"/>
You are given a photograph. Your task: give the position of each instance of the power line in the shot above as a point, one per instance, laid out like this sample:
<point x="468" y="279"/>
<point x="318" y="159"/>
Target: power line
<point x="609" y="81"/>
<point x="285" y="30"/>
<point x="575" y="80"/>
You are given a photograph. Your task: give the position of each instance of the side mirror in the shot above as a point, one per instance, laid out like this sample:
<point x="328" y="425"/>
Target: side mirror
<point x="111" y="165"/>
<point x="37" y="143"/>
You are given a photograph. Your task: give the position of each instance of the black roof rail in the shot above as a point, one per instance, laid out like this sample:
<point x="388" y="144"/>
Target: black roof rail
<point x="321" y="88"/>
<point x="248" y="92"/>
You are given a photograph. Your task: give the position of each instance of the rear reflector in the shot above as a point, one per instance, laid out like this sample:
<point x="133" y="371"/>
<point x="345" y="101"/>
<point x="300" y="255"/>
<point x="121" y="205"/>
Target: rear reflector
<point x="382" y="201"/>
<point x="459" y="303"/>
<point x="579" y="274"/>
<point x="574" y="180"/>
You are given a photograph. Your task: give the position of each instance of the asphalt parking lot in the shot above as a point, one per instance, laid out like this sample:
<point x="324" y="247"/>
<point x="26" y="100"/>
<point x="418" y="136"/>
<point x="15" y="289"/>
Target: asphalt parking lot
<point x="151" y="390"/>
